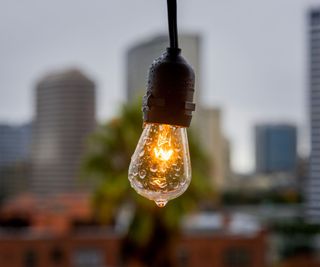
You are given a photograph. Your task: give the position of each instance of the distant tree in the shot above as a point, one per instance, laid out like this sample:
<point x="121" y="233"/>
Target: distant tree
<point x="153" y="230"/>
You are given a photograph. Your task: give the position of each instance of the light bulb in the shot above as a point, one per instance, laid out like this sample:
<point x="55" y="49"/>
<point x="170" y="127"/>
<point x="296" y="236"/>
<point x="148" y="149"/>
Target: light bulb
<point x="160" y="167"/>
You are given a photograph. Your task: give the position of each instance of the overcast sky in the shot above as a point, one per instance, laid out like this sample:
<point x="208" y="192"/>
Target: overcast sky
<point x="253" y="58"/>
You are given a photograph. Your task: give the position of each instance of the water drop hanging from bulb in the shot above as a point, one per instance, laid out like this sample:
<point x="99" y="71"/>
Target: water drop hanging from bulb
<point x="160" y="167"/>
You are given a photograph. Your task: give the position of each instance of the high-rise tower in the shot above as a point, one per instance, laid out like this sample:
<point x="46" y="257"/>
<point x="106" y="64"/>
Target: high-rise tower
<point x="15" y="150"/>
<point x="140" y="57"/>
<point x="65" y="116"/>
<point x="313" y="185"/>
<point x="276" y="148"/>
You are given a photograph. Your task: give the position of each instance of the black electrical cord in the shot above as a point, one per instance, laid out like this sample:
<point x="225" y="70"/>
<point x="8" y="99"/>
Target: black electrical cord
<point x="170" y="85"/>
<point x="172" y="23"/>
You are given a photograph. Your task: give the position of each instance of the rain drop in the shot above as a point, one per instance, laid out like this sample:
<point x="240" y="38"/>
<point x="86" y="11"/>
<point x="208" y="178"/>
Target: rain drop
<point x="161" y="203"/>
<point x="142" y="174"/>
<point x="163" y="169"/>
<point x="153" y="168"/>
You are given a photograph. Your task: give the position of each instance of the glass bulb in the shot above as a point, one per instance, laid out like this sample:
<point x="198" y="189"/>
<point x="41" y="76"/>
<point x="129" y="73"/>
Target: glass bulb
<point x="160" y="167"/>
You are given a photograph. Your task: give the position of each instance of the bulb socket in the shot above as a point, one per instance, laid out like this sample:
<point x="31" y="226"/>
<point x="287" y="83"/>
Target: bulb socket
<point x="170" y="90"/>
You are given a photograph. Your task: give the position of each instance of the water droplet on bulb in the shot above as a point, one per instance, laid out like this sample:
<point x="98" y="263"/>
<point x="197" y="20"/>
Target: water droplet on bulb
<point x="142" y="174"/>
<point x="136" y="184"/>
<point x="160" y="182"/>
<point x="177" y="168"/>
<point x="153" y="168"/>
<point x="141" y="153"/>
<point x="161" y="203"/>
<point x="135" y="170"/>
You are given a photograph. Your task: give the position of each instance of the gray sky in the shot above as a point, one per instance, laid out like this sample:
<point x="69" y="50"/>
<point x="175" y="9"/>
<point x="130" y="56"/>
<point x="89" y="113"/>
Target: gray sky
<point x="254" y="56"/>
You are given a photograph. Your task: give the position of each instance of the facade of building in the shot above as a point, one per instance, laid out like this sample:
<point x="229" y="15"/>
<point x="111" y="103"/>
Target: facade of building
<point x="275" y="148"/>
<point x="313" y="186"/>
<point x="15" y="153"/>
<point x="65" y="116"/>
<point x="216" y="146"/>
<point x="34" y="233"/>
<point x="141" y="56"/>
<point x="102" y="249"/>
<point x="15" y="143"/>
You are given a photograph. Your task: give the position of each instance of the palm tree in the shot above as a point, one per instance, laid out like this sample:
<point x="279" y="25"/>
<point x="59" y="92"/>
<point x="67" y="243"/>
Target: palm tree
<point x="152" y="231"/>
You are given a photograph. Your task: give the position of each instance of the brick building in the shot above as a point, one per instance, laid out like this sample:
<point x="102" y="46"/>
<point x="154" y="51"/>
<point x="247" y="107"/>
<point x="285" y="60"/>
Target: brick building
<point x="57" y="231"/>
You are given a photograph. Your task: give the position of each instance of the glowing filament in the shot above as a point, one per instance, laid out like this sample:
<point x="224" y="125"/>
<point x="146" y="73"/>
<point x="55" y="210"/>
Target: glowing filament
<point x="163" y="154"/>
<point x="163" y="150"/>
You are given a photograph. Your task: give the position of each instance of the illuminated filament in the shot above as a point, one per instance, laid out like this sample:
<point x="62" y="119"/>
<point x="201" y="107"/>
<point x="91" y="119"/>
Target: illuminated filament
<point x="163" y="154"/>
<point x="163" y="150"/>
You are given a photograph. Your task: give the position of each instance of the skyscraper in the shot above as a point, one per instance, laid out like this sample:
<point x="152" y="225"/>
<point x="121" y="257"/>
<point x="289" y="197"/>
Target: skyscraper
<point x="15" y="143"/>
<point x="313" y="185"/>
<point x="65" y="116"/>
<point x="15" y="152"/>
<point x="140" y="57"/>
<point x="215" y="145"/>
<point x="275" y="148"/>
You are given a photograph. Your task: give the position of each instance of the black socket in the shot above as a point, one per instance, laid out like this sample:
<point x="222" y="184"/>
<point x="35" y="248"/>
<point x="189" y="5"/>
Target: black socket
<point x="170" y="90"/>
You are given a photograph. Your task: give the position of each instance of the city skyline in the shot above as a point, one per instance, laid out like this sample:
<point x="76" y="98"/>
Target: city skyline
<point x="239" y="74"/>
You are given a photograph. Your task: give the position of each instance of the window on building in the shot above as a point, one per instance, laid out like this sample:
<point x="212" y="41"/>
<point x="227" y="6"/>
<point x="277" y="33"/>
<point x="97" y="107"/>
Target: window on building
<point x="88" y="257"/>
<point x="57" y="256"/>
<point x="30" y="259"/>
<point x="183" y="257"/>
<point x="237" y="257"/>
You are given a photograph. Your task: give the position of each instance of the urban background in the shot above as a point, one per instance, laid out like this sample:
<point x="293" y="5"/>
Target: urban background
<point x="72" y="77"/>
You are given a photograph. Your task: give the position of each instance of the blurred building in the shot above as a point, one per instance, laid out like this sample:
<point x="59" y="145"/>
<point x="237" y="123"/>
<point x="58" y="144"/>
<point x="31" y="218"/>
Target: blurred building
<point x="265" y="182"/>
<point x="15" y="143"/>
<point x="206" y="122"/>
<point x="65" y="116"/>
<point x="59" y="231"/>
<point x="15" y="152"/>
<point x="275" y="148"/>
<point x="215" y="144"/>
<point x="141" y="56"/>
<point x="313" y="187"/>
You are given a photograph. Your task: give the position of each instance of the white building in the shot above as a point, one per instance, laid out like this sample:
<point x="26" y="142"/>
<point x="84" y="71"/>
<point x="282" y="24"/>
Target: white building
<point x="65" y="116"/>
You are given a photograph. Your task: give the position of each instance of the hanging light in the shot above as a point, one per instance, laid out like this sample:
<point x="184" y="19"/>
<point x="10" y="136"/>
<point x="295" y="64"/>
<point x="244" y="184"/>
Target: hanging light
<point x="160" y="167"/>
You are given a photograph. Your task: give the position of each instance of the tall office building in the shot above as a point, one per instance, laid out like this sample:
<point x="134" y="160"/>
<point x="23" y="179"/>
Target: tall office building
<point x="15" y="143"/>
<point x="141" y="56"/>
<point x="216" y="146"/>
<point x="65" y="116"/>
<point x="15" y="152"/>
<point x="313" y="184"/>
<point x="275" y="148"/>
